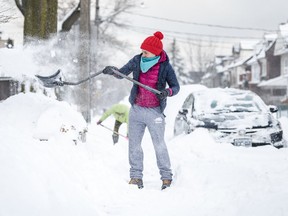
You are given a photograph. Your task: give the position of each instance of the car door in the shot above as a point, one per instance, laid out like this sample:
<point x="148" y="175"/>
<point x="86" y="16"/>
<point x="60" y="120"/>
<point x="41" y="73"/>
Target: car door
<point x="181" y="122"/>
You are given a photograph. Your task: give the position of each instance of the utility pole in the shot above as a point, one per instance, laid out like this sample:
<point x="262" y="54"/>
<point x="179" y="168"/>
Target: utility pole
<point x="85" y="46"/>
<point x="97" y="19"/>
<point x="95" y="41"/>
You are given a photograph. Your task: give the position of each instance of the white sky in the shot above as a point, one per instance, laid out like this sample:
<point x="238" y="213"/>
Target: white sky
<point x="230" y="13"/>
<point x="245" y="13"/>
<point x="234" y="13"/>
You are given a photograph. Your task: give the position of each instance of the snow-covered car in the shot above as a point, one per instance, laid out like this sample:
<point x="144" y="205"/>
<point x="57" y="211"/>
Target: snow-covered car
<point x="235" y="116"/>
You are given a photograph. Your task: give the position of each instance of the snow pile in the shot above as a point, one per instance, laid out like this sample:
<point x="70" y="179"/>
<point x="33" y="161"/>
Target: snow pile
<point x="59" y="119"/>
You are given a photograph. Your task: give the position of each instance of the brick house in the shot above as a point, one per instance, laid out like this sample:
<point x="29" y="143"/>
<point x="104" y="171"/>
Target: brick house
<point x="274" y="87"/>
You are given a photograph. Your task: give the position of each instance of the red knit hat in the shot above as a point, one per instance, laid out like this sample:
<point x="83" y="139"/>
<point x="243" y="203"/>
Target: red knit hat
<point x="153" y="44"/>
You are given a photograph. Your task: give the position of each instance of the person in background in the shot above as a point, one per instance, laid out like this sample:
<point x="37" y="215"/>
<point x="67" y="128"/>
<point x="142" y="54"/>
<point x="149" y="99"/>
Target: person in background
<point x="121" y="115"/>
<point x="151" y="68"/>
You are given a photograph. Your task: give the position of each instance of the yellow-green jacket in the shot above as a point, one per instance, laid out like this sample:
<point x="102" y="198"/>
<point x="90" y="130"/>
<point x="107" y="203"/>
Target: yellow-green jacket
<point x="119" y="111"/>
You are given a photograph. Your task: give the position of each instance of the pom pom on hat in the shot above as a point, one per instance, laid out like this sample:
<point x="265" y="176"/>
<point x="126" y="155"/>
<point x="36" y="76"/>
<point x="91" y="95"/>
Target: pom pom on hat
<point x="159" y="35"/>
<point x="153" y="43"/>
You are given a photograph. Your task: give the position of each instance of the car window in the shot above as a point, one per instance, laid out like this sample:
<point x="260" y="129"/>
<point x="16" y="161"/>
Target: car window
<point x="188" y="102"/>
<point x="226" y="101"/>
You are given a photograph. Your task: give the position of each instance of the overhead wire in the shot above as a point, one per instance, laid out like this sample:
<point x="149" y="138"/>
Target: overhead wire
<point x="208" y="38"/>
<point x="200" y="39"/>
<point x="194" y="42"/>
<point x="196" y="34"/>
<point x="201" y="24"/>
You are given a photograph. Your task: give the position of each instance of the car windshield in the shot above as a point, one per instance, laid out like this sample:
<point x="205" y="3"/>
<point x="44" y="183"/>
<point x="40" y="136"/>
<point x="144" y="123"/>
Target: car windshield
<point x="224" y="100"/>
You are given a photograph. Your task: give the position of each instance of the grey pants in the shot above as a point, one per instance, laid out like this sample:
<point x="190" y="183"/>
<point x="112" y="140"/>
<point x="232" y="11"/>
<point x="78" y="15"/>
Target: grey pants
<point x="139" y="118"/>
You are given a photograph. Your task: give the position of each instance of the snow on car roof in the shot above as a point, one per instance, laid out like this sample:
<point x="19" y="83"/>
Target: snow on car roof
<point x="215" y="99"/>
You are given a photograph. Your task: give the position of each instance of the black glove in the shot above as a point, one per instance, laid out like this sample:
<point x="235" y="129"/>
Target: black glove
<point x="99" y="122"/>
<point x="115" y="138"/>
<point x="163" y="94"/>
<point x="109" y="70"/>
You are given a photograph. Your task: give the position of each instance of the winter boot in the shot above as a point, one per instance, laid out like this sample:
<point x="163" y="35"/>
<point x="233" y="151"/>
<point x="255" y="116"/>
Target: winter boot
<point x="166" y="183"/>
<point x="138" y="182"/>
<point x="115" y="138"/>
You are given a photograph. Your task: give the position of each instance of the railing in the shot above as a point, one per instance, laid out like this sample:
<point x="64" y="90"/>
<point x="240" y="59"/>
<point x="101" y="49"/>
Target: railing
<point x="282" y="110"/>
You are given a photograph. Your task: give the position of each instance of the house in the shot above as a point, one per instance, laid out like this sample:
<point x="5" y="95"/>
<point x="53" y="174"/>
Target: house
<point x="274" y="76"/>
<point x="8" y="87"/>
<point x="239" y="73"/>
<point x="9" y="43"/>
<point x="259" y="66"/>
<point x="2" y="42"/>
<point x="265" y="66"/>
<point x="230" y="71"/>
<point x="214" y="76"/>
<point x="238" y="69"/>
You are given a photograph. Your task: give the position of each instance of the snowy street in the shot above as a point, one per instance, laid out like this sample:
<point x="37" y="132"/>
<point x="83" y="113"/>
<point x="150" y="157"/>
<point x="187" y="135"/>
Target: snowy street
<point x="57" y="177"/>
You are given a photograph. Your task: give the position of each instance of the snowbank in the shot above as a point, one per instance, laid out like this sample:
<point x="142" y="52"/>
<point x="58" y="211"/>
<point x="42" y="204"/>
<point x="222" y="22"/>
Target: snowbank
<point x="57" y="177"/>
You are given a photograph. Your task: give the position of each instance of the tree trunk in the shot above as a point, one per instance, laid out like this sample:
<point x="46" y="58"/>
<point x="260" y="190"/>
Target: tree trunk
<point x="40" y="19"/>
<point x="51" y="21"/>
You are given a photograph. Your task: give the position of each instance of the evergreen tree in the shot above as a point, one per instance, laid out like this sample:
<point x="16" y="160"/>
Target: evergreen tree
<point x="177" y="63"/>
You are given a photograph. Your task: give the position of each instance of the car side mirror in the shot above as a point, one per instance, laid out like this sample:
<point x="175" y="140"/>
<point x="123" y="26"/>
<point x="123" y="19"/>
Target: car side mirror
<point x="273" y="108"/>
<point x="183" y="111"/>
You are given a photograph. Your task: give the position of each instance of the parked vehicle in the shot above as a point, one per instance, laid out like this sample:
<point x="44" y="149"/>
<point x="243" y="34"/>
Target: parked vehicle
<point x="235" y="116"/>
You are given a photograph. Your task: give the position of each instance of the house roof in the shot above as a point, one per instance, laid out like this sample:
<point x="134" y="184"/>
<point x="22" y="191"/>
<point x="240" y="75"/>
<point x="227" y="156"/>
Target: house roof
<point x="270" y="36"/>
<point x="220" y="69"/>
<point x="6" y="79"/>
<point x="245" y="45"/>
<point x="240" y="62"/>
<point x="284" y="31"/>
<point x="280" y="81"/>
<point x="282" y="40"/>
<point x="260" y="50"/>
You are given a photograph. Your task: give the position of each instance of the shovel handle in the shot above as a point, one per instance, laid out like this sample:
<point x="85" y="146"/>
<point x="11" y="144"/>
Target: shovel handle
<point x="53" y="80"/>
<point x="155" y="91"/>
<point x="84" y="80"/>
<point x="113" y="131"/>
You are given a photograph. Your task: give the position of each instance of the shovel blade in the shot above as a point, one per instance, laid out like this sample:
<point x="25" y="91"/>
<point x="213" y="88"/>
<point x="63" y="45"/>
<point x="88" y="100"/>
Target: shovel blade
<point x="51" y="81"/>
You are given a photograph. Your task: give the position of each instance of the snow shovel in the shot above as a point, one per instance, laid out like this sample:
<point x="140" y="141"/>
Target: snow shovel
<point x="115" y="138"/>
<point x="56" y="80"/>
<point x="155" y="91"/>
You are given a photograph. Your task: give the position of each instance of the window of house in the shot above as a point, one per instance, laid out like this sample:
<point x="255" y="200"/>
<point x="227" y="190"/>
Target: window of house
<point x="279" y="92"/>
<point x="264" y="69"/>
<point x="286" y="65"/>
<point x="255" y="73"/>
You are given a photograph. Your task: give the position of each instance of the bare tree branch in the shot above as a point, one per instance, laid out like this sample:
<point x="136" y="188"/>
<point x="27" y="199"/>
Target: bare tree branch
<point x="20" y="6"/>
<point x="5" y="13"/>
<point x="71" y="19"/>
<point x="119" y="7"/>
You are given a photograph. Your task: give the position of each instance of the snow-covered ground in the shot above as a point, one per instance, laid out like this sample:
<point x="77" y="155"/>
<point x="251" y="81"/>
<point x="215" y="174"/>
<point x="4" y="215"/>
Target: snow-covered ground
<point x="58" y="177"/>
